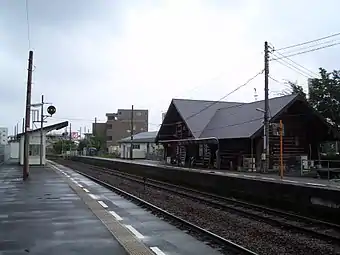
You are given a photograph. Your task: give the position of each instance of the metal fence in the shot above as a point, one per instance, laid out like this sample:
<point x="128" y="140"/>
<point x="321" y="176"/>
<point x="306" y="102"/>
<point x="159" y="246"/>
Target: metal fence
<point x="324" y="169"/>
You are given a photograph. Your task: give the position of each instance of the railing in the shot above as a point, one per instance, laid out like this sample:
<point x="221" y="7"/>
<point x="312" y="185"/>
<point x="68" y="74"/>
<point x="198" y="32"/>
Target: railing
<point x="324" y="169"/>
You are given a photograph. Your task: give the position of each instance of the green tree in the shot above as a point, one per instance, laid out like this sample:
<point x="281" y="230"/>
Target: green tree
<point x="324" y="96"/>
<point x="63" y="145"/>
<point x="296" y="89"/>
<point x="82" y="144"/>
<point x="293" y="88"/>
<point x="97" y="142"/>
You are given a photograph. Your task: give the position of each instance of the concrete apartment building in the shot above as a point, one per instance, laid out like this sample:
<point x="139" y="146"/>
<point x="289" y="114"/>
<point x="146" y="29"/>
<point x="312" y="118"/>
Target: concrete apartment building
<point x="118" y="126"/>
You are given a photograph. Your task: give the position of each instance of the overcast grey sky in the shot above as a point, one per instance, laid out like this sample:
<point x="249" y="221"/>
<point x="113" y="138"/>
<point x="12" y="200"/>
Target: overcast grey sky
<point x="93" y="57"/>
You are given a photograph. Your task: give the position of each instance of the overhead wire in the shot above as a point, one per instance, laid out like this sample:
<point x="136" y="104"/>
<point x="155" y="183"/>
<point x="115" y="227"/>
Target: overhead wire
<point x="310" y="46"/>
<point x="304" y="69"/>
<point x="308" y="42"/>
<point x="28" y="25"/>
<point x="242" y="123"/>
<point x="306" y="51"/>
<point x="225" y="96"/>
<point x="283" y="92"/>
<point x="89" y="120"/>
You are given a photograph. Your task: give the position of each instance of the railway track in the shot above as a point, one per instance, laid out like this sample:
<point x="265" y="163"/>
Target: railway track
<point x="316" y="228"/>
<point x="328" y="232"/>
<point x="227" y="246"/>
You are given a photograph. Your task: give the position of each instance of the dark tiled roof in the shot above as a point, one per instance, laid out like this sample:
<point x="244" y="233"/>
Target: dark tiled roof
<point x="144" y="137"/>
<point x="244" y="120"/>
<point x="225" y="120"/>
<point x="49" y="128"/>
<point x="197" y="123"/>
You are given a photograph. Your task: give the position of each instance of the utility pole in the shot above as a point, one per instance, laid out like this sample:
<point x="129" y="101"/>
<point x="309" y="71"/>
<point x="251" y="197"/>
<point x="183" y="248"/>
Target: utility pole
<point x="23" y="125"/>
<point x="95" y="127"/>
<point x="41" y="130"/>
<point x="266" y="108"/>
<point x="28" y="116"/>
<point x="131" y="133"/>
<point x="70" y="137"/>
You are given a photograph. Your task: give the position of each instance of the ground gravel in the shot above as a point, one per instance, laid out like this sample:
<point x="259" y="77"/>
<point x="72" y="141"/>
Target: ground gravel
<point x="259" y="237"/>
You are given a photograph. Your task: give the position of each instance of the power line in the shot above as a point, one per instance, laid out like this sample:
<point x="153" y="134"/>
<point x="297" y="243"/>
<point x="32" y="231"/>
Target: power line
<point x="285" y="91"/>
<point x="304" y="43"/>
<point x="90" y="120"/>
<point x="294" y="62"/>
<point x="243" y="123"/>
<point x="233" y="91"/>
<point x="303" y="52"/>
<point x="310" y="46"/>
<point x="28" y="26"/>
<point x="293" y="68"/>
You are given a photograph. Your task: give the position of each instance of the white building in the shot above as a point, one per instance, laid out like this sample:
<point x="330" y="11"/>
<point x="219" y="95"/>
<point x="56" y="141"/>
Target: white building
<point x="34" y="144"/>
<point x="3" y="135"/>
<point x="143" y="145"/>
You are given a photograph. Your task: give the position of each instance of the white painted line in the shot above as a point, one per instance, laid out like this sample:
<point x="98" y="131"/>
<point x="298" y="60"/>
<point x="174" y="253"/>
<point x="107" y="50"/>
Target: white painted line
<point x="86" y="190"/>
<point x="79" y="185"/>
<point x="157" y="251"/>
<point x="290" y="181"/>
<point x="134" y="231"/>
<point x="267" y="178"/>
<point x="249" y="176"/>
<point x="115" y="215"/>
<point x="229" y="175"/>
<point x="93" y="196"/>
<point x="316" y="184"/>
<point x="103" y="204"/>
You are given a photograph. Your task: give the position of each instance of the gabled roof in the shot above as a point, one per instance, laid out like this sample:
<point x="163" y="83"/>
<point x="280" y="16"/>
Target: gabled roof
<point x="144" y="137"/>
<point x="244" y="120"/>
<point x="48" y="128"/>
<point x="187" y="108"/>
<point x="227" y="120"/>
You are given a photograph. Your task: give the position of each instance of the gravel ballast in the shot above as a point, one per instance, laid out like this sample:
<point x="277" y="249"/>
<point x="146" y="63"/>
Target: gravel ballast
<point x="257" y="236"/>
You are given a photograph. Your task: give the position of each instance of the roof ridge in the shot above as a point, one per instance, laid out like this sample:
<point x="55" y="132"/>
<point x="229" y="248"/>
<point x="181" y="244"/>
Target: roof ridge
<point x="249" y="103"/>
<point x="214" y="101"/>
<point x="210" y="101"/>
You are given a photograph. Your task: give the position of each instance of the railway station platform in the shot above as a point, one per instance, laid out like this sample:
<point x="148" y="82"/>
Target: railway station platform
<point x="270" y="177"/>
<point x="57" y="211"/>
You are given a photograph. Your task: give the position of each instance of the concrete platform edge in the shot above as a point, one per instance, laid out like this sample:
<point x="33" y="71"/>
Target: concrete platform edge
<point x="126" y="239"/>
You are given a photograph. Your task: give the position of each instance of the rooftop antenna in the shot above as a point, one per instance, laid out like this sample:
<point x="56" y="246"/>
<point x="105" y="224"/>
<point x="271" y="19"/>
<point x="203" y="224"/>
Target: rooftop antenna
<point x="255" y="94"/>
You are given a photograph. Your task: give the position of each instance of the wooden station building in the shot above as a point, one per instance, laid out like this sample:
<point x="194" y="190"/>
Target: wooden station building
<point x="229" y="135"/>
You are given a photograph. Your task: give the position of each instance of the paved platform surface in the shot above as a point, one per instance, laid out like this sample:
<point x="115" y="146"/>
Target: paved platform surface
<point x="45" y="216"/>
<point x="160" y="236"/>
<point x="302" y="181"/>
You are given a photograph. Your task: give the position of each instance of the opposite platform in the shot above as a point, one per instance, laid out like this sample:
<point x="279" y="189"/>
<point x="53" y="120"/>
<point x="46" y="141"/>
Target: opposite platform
<point x="269" y="177"/>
